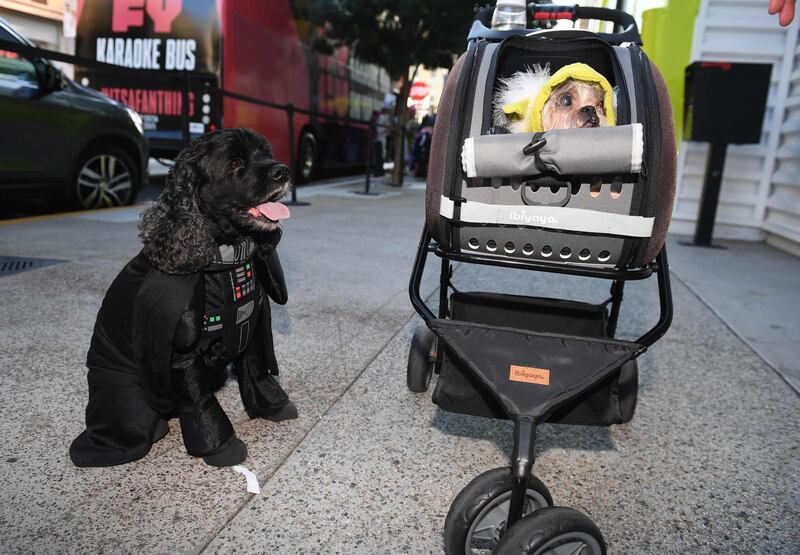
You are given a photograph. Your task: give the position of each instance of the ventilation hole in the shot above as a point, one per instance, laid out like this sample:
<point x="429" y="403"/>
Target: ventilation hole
<point x="527" y="249"/>
<point x="534" y="188"/>
<point x="554" y="189"/>
<point x="509" y="248"/>
<point x="616" y="189"/>
<point x="595" y="189"/>
<point x="603" y="256"/>
<point x="547" y="250"/>
<point x="491" y="246"/>
<point x="474" y="243"/>
<point x="584" y="254"/>
<point x="565" y="253"/>
<point x="576" y="188"/>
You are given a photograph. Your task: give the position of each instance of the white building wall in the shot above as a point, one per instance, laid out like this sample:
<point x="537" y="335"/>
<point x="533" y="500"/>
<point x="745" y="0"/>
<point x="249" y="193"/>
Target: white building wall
<point x="742" y="31"/>
<point x="782" y="203"/>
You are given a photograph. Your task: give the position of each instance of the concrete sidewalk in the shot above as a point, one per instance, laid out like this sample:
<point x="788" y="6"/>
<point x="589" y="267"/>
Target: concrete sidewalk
<point x="709" y="463"/>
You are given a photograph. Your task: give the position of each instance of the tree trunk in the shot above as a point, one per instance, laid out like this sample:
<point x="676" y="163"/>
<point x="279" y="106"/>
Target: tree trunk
<point x="400" y="137"/>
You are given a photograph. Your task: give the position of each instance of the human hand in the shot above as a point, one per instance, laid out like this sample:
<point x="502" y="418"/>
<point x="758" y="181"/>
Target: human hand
<point x="785" y="8"/>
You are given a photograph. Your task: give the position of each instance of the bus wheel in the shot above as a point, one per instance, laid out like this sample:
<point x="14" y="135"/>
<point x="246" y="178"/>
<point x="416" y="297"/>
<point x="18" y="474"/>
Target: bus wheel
<point x="306" y="158"/>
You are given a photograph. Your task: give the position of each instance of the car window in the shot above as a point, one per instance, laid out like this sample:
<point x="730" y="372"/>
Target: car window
<point x="5" y="35"/>
<point x="14" y="67"/>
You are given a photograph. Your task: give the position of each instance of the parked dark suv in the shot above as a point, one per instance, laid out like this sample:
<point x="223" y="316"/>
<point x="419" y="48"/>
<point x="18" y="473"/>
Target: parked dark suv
<point x="62" y="141"/>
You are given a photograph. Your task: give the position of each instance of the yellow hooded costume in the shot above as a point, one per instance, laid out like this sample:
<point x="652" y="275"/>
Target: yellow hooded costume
<point x="522" y="109"/>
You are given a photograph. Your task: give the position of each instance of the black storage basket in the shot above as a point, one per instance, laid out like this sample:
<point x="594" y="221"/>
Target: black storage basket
<point x="611" y="401"/>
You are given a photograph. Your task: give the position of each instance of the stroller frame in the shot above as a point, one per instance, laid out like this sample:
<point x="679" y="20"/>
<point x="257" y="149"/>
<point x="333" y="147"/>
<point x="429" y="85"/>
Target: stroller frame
<point x="522" y="455"/>
<point x="473" y="337"/>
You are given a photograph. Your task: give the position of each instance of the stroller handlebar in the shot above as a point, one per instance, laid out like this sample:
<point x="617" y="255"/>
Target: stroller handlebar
<point x="481" y="26"/>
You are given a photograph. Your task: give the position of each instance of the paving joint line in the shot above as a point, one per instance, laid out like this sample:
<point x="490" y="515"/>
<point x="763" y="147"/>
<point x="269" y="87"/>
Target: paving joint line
<point x="733" y="330"/>
<point x="316" y="424"/>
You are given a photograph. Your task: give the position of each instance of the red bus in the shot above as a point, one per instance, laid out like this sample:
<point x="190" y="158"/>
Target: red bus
<point x="260" y="49"/>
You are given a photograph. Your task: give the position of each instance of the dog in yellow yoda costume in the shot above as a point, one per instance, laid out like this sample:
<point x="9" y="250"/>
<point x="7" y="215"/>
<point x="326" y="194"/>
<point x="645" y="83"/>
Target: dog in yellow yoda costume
<point x="532" y="100"/>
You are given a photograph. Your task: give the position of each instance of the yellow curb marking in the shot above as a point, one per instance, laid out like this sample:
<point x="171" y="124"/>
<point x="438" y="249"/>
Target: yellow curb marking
<point x="60" y="215"/>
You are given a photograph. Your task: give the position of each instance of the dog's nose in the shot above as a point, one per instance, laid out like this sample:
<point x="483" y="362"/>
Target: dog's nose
<point x="279" y="172"/>
<point x="590" y="113"/>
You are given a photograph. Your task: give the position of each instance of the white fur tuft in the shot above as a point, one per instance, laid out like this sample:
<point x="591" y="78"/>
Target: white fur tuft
<point x="521" y="85"/>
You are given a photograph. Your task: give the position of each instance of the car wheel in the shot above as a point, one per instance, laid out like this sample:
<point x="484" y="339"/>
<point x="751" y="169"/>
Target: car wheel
<point x="105" y="177"/>
<point x="306" y="158"/>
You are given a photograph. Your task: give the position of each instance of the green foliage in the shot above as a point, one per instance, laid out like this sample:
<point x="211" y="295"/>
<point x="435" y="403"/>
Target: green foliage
<point x="394" y="34"/>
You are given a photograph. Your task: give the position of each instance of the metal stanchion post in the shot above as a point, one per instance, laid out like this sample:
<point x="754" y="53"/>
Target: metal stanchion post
<point x="292" y="158"/>
<point x="370" y="165"/>
<point x="709" y="200"/>
<point x="186" y="136"/>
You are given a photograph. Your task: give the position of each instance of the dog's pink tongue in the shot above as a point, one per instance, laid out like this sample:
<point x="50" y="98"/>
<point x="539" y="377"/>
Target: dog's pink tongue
<point x="274" y="211"/>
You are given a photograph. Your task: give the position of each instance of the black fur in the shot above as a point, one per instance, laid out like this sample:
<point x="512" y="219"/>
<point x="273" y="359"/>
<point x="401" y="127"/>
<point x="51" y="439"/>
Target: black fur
<point x="204" y="198"/>
<point x="149" y="360"/>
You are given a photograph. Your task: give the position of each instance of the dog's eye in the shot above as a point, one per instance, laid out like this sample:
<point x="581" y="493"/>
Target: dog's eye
<point x="235" y="165"/>
<point x="565" y="100"/>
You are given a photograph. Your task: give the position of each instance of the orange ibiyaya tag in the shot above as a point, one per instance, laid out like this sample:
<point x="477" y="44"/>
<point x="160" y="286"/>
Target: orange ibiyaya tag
<point x="540" y="376"/>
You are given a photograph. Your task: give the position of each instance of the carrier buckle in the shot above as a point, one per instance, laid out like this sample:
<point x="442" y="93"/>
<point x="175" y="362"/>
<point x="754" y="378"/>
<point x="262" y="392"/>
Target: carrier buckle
<point x="536" y="144"/>
<point x="533" y="148"/>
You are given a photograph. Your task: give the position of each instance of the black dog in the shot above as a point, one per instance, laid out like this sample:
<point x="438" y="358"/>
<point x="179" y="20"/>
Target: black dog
<point x="188" y="306"/>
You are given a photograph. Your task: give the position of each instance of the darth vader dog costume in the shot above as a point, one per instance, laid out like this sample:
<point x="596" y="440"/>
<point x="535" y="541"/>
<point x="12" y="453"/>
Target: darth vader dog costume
<point x="190" y="305"/>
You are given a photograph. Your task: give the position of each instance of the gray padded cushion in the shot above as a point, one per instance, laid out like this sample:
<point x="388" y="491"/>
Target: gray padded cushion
<point x="598" y="150"/>
<point x="437" y="172"/>
<point x="668" y="161"/>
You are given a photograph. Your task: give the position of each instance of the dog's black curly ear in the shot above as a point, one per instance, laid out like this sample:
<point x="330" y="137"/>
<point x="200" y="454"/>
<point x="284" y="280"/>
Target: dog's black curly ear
<point x="177" y="236"/>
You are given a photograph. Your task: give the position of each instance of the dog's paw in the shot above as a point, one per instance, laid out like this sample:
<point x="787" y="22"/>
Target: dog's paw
<point x="235" y="453"/>
<point x="289" y="412"/>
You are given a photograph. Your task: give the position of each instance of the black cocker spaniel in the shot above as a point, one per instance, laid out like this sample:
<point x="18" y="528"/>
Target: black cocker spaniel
<point x="189" y="307"/>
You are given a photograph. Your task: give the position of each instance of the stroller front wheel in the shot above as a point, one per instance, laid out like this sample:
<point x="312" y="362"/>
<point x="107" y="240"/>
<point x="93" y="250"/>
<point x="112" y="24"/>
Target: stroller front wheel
<point x="420" y="360"/>
<point x="552" y="531"/>
<point x="477" y="517"/>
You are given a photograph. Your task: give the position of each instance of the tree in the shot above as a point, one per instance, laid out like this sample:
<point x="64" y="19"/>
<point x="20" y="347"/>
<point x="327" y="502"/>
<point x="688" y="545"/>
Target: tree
<point x="397" y="35"/>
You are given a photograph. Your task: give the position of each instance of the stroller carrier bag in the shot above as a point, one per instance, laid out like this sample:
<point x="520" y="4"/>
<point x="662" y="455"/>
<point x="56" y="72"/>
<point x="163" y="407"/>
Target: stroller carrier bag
<point x="598" y="196"/>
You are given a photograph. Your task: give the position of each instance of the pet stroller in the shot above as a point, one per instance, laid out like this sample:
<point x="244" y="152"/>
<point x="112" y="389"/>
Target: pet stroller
<point x="590" y="202"/>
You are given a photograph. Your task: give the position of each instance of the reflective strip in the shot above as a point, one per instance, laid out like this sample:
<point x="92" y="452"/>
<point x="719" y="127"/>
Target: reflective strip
<point x="551" y="217"/>
<point x="468" y="157"/>
<point x="624" y="57"/>
<point x="637" y="148"/>
<point x="480" y="89"/>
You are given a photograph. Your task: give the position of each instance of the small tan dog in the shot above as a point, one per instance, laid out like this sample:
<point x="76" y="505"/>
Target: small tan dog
<point x="532" y="100"/>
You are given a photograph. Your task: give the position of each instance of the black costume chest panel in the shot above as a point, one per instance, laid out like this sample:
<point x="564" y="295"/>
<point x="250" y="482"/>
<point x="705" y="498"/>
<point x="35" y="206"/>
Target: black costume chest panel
<point x="233" y="298"/>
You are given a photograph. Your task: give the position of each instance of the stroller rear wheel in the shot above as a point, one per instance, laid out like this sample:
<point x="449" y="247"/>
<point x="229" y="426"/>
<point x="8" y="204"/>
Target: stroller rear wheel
<point x="553" y="531"/>
<point x="477" y="517"/>
<point x="420" y="360"/>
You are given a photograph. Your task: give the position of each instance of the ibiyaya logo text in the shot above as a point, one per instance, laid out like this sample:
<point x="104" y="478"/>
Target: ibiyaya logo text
<point x="540" y="376"/>
<point x="537" y="219"/>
